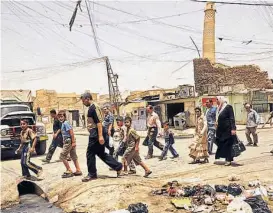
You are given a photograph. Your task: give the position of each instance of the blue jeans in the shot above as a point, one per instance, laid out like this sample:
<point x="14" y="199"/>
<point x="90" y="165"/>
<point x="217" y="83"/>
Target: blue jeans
<point x="211" y="139"/>
<point x="169" y="146"/>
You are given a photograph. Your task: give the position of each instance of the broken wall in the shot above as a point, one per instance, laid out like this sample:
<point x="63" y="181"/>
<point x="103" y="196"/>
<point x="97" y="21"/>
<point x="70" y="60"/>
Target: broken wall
<point x="206" y="75"/>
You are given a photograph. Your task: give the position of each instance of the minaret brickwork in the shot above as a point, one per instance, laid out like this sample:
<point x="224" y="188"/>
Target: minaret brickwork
<point x="209" y="33"/>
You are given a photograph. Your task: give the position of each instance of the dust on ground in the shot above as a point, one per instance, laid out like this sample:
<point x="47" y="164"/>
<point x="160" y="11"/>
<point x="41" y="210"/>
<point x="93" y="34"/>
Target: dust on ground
<point x="109" y="193"/>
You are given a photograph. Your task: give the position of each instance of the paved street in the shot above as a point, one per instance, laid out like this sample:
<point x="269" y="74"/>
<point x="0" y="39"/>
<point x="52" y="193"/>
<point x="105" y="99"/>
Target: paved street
<point x="75" y="195"/>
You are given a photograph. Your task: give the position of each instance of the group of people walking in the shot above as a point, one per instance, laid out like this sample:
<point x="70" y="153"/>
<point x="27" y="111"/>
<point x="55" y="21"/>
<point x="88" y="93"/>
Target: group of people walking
<point x="215" y="126"/>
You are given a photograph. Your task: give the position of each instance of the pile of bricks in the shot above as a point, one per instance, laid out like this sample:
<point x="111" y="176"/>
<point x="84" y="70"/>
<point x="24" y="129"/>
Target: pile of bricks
<point x="249" y="75"/>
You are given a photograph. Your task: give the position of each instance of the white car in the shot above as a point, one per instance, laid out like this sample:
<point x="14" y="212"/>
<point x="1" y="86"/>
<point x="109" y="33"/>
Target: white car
<point x="11" y="114"/>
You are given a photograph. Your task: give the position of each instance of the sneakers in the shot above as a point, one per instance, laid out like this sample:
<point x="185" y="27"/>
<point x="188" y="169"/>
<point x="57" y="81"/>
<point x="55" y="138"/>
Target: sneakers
<point x="89" y="178"/>
<point x="162" y="158"/>
<point x="176" y="156"/>
<point x="256" y="145"/>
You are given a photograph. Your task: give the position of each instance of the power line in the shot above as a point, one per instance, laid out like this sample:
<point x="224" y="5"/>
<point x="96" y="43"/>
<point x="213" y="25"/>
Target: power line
<point x="122" y="30"/>
<point x="236" y="3"/>
<point x="166" y="24"/>
<point x="93" y="30"/>
<point x="151" y="19"/>
<point x="63" y="39"/>
<point x="180" y="67"/>
<point x="56" y="66"/>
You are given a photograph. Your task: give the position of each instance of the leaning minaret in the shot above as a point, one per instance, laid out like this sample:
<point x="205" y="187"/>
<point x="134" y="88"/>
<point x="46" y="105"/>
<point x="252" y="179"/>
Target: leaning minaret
<point x="209" y="32"/>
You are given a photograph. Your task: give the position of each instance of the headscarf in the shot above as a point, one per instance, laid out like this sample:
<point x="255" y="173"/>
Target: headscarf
<point x="221" y="107"/>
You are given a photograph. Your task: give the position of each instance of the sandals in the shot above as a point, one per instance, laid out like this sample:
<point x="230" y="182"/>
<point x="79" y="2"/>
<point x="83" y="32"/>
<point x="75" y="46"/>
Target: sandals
<point x="122" y="173"/>
<point x="79" y="173"/>
<point x="67" y="174"/>
<point x="147" y="174"/>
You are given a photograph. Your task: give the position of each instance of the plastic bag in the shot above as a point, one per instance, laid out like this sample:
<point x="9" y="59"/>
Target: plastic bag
<point x="209" y="190"/>
<point x="234" y="189"/>
<point x="221" y="188"/>
<point x="111" y="142"/>
<point x="257" y="204"/>
<point x="239" y="206"/>
<point x="188" y="191"/>
<point x="138" y="208"/>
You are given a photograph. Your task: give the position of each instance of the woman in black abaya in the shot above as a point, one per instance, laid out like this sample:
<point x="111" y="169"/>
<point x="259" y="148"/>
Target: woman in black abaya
<point x="226" y="130"/>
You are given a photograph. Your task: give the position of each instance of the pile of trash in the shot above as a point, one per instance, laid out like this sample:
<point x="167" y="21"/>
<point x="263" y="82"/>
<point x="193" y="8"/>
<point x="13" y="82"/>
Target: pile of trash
<point x="134" y="208"/>
<point x="230" y="198"/>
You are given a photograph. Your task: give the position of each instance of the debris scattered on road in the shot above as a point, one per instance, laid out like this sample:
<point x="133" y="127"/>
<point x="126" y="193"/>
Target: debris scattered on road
<point x="239" y="206"/>
<point x="257" y="204"/>
<point x="182" y="203"/>
<point x="138" y="208"/>
<point x="232" y="198"/>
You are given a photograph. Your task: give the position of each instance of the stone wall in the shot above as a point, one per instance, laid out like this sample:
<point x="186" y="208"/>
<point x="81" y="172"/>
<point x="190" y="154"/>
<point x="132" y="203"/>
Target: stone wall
<point x="206" y="75"/>
<point x="50" y="99"/>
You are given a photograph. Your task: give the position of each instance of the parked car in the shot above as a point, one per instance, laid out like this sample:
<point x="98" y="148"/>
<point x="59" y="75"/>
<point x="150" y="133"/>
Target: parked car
<point x="11" y="114"/>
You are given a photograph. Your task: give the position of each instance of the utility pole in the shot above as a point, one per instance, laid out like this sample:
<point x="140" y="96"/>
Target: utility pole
<point x="114" y="94"/>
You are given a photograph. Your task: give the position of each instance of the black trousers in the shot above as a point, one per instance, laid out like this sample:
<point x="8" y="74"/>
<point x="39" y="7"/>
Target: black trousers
<point x="106" y="139"/>
<point x="58" y="141"/>
<point x="151" y="141"/>
<point x="95" y="148"/>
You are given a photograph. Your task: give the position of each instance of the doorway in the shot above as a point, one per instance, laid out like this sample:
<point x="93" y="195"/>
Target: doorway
<point x="172" y="110"/>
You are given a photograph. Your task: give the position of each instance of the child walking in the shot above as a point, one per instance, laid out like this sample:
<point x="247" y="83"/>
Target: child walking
<point x="28" y="143"/>
<point x="119" y="151"/>
<point x="132" y="148"/>
<point x="69" y="147"/>
<point x="169" y="141"/>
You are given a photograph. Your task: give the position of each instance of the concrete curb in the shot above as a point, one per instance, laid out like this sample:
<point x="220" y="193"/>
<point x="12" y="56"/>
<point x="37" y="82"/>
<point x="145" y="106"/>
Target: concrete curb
<point x="176" y="136"/>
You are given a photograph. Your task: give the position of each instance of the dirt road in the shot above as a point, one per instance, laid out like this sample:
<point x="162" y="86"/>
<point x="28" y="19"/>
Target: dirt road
<point x="109" y="193"/>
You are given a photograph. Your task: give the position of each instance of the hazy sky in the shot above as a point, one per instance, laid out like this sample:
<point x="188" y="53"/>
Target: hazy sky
<point x="35" y="37"/>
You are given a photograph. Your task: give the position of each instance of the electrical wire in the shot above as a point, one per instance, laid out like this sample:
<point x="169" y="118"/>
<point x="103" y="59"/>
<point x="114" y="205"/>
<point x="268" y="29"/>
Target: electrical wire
<point x="169" y="25"/>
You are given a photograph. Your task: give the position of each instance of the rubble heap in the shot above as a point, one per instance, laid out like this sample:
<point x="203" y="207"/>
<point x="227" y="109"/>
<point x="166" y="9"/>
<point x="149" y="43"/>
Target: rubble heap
<point x="250" y="75"/>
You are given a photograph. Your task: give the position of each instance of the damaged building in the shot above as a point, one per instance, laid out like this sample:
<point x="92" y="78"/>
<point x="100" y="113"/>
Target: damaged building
<point x="239" y="84"/>
<point x="173" y="105"/>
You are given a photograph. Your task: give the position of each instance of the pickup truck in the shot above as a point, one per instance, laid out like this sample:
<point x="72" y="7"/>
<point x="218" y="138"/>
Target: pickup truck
<point x="10" y="129"/>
